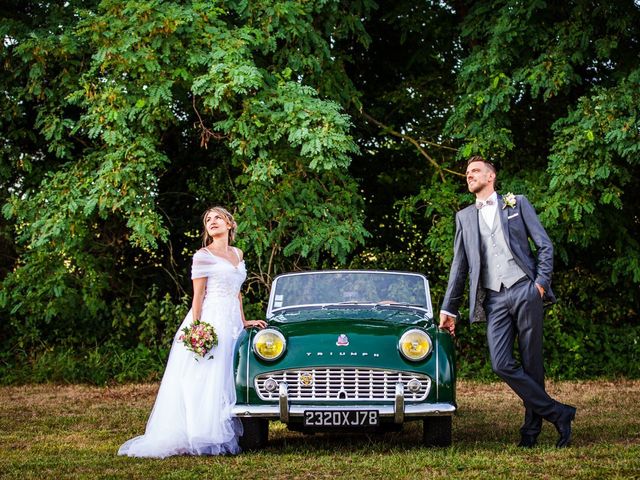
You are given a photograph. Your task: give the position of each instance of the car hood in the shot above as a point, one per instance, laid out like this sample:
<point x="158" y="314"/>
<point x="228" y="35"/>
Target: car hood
<point x="339" y="337"/>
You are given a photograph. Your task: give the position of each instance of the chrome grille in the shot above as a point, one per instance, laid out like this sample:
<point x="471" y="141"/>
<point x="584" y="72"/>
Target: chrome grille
<point x="343" y="384"/>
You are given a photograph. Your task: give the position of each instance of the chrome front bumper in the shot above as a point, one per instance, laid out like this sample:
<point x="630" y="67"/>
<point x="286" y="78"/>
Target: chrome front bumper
<point x="284" y="411"/>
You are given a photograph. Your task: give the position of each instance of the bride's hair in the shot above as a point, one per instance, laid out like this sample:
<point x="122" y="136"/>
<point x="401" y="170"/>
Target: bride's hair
<point x="206" y="238"/>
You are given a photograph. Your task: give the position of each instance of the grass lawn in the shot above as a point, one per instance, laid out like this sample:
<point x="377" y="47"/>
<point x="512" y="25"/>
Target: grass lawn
<point x="74" y="431"/>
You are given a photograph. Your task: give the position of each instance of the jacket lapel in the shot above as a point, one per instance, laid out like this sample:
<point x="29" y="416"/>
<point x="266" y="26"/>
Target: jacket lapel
<point x="472" y="218"/>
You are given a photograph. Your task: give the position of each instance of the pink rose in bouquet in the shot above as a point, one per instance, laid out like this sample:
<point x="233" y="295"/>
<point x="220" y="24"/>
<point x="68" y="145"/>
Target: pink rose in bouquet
<point x="199" y="337"/>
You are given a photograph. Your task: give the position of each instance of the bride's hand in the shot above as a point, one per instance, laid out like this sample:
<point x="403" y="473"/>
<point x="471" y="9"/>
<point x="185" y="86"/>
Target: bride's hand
<point x="255" y="324"/>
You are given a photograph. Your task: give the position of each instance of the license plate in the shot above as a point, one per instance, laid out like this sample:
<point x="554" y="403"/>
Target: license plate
<point x="340" y="418"/>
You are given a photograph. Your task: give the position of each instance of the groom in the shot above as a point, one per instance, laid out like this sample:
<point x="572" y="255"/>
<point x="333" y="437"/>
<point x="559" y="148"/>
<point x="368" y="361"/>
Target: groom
<point x="508" y="288"/>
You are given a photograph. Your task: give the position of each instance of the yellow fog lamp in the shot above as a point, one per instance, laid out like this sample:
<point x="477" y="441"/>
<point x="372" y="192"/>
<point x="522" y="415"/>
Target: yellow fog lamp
<point x="415" y="345"/>
<point x="269" y="344"/>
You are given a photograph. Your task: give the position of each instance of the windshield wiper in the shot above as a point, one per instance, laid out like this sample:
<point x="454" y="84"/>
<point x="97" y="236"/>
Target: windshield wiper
<point x="351" y="302"/>
<point x="399" y="304"/>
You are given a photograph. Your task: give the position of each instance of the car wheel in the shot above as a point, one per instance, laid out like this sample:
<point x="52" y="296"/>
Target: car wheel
<point x="436" y="431"/>
<point x="255" y="434"/>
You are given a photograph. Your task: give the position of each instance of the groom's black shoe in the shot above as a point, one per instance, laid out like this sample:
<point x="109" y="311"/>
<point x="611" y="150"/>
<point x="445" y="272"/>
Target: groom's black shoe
<point x="528" y="441"/>
<point x="563" y="425"/>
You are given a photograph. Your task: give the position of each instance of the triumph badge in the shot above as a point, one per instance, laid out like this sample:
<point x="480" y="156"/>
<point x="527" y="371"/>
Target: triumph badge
<point x="306" y="379"/>
<point x="343" y="340"/>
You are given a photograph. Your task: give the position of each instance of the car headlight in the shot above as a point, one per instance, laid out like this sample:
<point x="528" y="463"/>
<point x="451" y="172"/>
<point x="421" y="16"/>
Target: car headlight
<point x="415" y="345"/>
<point x="269" y="344"/>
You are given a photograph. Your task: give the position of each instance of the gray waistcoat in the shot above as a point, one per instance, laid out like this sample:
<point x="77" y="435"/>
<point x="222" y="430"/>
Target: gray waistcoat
<point x="498" y="266"/>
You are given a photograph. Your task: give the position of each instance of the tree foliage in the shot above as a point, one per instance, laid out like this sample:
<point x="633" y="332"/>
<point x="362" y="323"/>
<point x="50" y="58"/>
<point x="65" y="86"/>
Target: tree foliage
<point x="549" y="92"/>
<point x="338" y="133"/>
<point x="579" y="88"/>
<point x="102" y="100"/>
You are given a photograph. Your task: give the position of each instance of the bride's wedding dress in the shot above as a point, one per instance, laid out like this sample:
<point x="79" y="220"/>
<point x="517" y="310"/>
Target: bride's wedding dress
<point x="192" y="412"/>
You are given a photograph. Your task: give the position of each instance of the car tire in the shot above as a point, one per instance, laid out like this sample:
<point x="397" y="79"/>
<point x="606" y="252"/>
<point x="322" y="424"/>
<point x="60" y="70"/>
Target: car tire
<point x="436" y="431"/>
<point x="255" y="433"/>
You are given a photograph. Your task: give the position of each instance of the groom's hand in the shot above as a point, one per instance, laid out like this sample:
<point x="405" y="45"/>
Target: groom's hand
<point x="448" y="323"/>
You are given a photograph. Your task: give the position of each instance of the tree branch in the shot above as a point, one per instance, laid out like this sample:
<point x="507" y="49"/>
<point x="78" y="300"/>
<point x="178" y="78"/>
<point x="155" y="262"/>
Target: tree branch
<point x="416" y="143"/>
<point x="205" y="133"/>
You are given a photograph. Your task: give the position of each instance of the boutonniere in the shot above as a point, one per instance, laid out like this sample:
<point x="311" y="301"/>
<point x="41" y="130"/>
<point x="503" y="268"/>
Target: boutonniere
<point x="509" y="200"/>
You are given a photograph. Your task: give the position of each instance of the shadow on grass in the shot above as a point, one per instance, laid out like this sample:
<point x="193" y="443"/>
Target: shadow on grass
<point x="468" y="433"/>
<point x="480" y="425"/>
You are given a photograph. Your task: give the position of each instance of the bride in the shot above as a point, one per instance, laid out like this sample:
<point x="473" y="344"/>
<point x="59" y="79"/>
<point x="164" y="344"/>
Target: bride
<point x="192" y="412"/>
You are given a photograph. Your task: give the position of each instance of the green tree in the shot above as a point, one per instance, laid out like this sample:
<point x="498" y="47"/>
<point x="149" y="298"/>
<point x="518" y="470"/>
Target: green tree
<point x="112" y="108"/>
<point x="549" y="91"/>
<point x="122" y="121"/>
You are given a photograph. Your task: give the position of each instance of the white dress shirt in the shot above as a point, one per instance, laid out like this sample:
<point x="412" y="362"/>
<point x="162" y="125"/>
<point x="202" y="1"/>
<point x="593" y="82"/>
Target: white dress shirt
<point x="488" y="212"/>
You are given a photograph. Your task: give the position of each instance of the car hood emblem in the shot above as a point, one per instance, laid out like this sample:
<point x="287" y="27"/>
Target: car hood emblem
<point x="306" y="379"/>
<point x="343" y="340"/>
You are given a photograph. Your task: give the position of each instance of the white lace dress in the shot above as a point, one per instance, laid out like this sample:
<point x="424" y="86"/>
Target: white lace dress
<point x="192" y="412"/>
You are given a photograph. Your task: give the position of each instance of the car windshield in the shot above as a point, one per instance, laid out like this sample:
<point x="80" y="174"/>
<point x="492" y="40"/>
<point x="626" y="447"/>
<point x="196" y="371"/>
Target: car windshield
<point x="344" y="288"/>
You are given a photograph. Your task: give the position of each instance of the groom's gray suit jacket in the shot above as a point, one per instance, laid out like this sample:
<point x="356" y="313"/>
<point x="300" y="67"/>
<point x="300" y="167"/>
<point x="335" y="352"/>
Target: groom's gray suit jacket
<point x="518" y="225"/>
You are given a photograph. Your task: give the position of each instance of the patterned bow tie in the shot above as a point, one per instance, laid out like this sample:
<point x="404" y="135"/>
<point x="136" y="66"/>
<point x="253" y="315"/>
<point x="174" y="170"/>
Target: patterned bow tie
<point x="480" y="203"/>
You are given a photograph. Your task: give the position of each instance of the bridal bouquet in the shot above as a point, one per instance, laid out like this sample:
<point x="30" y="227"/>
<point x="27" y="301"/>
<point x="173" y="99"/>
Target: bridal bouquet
<point x="200" y="338"/>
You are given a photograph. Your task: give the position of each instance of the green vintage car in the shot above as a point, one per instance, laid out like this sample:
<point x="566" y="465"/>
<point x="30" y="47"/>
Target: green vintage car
<point x="355" y="350"/>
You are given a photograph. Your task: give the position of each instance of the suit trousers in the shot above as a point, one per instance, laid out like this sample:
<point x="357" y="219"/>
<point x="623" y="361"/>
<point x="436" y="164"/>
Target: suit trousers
<point x="517" y="313"/>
